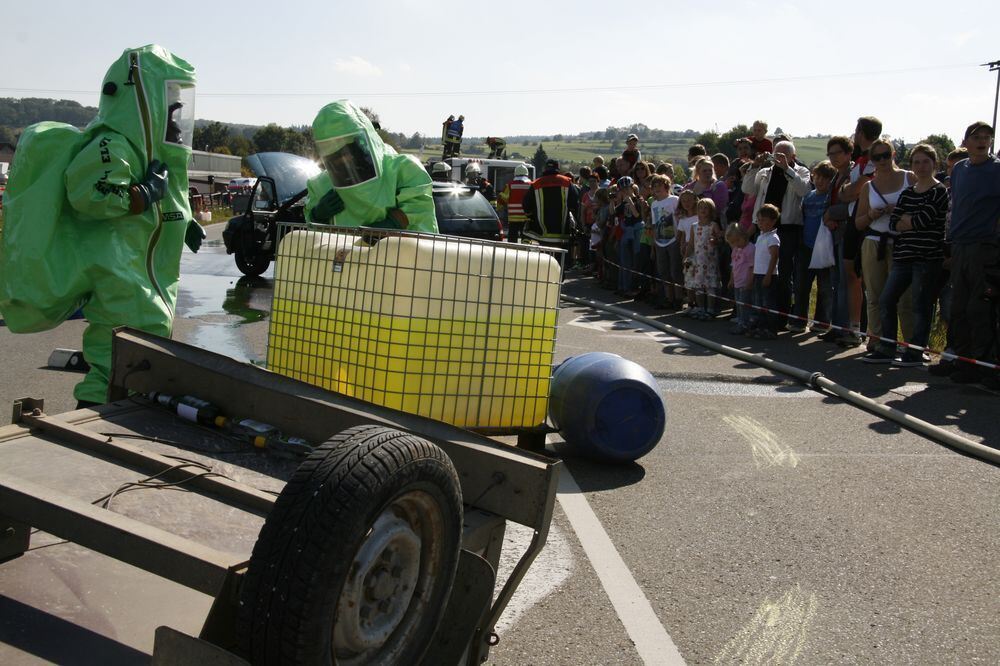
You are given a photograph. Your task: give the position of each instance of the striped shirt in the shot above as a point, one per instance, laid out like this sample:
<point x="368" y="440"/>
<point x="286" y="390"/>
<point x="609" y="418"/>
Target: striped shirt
<point x="925" y="242"/>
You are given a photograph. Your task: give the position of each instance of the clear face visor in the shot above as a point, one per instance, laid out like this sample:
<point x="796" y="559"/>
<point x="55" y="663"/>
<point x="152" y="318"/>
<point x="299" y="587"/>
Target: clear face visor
<point x="180" y="113"/>
<point x="348" y="159"/>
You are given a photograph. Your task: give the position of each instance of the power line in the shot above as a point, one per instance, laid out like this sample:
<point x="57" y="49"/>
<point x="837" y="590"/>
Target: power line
<point x="542" y="91"/>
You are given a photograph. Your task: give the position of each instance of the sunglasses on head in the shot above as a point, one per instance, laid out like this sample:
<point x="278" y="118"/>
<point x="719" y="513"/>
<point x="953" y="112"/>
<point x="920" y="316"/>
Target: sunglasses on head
<point x="881" y="156"/>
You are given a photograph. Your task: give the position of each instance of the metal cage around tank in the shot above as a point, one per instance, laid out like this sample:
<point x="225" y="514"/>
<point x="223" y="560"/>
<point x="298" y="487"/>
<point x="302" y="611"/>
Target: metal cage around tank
<point x="458" y="330"/>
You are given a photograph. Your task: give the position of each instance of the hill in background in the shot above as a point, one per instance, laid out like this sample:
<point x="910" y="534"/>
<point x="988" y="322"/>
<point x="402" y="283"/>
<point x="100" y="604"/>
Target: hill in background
<point x="572" y="151"/>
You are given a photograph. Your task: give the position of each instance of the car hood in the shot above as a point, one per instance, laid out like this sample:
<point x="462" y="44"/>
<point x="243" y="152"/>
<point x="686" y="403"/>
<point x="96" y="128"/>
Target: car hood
<point x="289" y="172"/>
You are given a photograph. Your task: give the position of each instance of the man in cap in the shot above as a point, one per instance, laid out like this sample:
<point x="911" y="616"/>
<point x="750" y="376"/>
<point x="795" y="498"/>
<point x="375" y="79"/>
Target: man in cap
<point x="114" y="248"/>
<point x="547" y="207"/>
<point x="631" y="154"/>
<point x="366" y="183"/>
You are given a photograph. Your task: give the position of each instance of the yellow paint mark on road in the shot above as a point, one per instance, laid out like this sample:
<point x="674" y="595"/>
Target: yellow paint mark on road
<point x="776" y="634"/>
<point x="767" y="450"/>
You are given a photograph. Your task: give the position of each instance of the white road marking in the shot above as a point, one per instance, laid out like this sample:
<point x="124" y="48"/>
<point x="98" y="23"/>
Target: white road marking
<point x="624" y="328"/>
<point x="767" y="450"/>
<point x="651" y="640"/>
<point x="776" y="633"/>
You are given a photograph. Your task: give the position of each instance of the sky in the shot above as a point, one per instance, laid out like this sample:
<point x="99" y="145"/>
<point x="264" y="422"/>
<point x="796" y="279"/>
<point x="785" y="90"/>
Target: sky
<point x="537" y="68"/>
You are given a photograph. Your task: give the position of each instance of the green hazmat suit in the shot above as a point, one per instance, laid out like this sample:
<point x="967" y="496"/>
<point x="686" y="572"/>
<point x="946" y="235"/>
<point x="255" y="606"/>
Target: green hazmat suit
<point x="72" y="239"/>
<point x="391" y="182"/>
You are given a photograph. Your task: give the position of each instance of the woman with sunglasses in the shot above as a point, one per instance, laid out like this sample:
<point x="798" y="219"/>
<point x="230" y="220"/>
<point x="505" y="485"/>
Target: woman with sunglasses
<point x="875" y="205"/>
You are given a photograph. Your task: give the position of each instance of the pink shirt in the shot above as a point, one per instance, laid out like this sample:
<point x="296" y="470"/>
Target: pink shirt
<point x="743" y="266"/>
<point x="746" y="212"/>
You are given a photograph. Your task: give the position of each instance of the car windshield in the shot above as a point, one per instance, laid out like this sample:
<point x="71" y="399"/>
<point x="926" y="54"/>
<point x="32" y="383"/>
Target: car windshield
<point x="289" y="172"/>
<point x="461" y="202"/>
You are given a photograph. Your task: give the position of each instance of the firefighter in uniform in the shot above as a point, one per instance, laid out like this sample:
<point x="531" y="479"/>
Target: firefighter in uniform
<point x="441" y="172"/>
<point x="547" y="206"/>
<point x="496" y="146"/>
<point x="474" y="178"/>
<point x="511" y="200"/>
<point x="446" y="150"/>
<point x="453" y="136"/>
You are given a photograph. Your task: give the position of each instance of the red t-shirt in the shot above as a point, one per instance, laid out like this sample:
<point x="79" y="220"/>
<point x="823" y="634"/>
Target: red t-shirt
<point x="761" y="146"/>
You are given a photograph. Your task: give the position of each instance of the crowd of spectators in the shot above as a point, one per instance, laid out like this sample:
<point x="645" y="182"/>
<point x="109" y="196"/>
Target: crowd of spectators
<point x="856" y="248"/>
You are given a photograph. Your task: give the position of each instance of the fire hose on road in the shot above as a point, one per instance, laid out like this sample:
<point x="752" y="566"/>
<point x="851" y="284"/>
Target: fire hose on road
<point x="814" y="380"/>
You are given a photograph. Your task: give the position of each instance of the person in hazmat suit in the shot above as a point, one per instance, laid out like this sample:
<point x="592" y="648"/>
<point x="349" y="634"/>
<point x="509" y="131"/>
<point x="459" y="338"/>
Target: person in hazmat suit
<point x="366" y="183"/>
<point x="96" y="219"/>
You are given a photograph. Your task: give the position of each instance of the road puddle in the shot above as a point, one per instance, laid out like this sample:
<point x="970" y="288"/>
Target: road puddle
<point x="223" y="339"/>
<point x="247" y="299"/>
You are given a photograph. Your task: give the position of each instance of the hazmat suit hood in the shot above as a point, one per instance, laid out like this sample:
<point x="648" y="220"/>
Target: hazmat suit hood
<point x="369" y="176"/>
<point x="153" y="81"/>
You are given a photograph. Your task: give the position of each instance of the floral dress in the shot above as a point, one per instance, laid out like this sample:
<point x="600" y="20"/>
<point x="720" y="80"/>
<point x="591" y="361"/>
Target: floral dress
<point x="702" y="269"/>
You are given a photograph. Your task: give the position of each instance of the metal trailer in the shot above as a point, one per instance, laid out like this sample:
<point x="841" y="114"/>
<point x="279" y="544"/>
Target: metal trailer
<point x="47" y="462"/>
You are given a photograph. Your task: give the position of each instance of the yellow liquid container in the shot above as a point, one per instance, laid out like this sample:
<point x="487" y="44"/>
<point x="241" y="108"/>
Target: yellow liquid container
<point x="455" y="330"/>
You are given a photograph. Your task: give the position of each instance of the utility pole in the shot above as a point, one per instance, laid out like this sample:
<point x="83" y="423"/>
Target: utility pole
<point x="994" y="67"/>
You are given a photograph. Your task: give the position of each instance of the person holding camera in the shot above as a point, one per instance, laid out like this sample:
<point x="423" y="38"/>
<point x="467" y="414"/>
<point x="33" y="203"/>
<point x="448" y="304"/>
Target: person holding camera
<point x="629" y="213"/>
<point x="780" y="181"/>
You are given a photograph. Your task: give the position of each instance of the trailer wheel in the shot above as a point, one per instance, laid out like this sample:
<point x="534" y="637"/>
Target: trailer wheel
<point x="355" y="562"/>
<point x="251" y="265"/>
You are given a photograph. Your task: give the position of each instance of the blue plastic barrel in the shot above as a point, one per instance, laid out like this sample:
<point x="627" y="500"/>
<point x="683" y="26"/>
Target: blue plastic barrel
<point x="607" y="407"/>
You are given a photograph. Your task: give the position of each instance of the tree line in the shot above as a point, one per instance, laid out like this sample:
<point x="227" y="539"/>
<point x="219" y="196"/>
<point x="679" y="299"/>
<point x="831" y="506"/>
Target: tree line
<point x="243" y="140"/>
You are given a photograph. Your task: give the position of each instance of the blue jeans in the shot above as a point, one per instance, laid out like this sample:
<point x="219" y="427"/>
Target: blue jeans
<point x="920" y="276"/>
<point x="628" y="246"/>
<point x="765" y="297"/>
<point x="744" y="298"/>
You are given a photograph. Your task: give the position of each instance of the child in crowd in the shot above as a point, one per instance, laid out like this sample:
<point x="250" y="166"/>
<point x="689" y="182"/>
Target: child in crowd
<point x="814" y="207"/>
<point x="609" y="244"/>
<point x="646" y="272"/>
<point x="703" y="277"/>
<point x="686" y="217"/>
<point x="587" y="209"/>
<point x="741" y="275"/>
<point x="668" y="255"/>
<point x="765" y="272"/>
<point x="602" y="211"/>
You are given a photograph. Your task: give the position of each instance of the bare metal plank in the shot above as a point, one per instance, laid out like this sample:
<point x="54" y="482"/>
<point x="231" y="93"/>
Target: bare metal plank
<point x="103" y="445"/>
<point x="157" y="551"/>
<point x="517" y="485"/>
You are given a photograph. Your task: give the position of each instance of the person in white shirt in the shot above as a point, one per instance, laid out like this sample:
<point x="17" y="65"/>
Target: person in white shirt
<point x="783" y="184"/>
<point x="668" y="253"/>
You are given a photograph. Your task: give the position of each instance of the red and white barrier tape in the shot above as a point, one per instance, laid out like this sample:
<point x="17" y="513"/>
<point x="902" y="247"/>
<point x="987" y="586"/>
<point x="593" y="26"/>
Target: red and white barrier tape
<point x="945" y="355"/>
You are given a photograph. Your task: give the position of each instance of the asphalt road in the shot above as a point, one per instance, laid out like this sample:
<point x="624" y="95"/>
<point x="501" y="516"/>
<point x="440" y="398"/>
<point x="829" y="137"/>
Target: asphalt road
<point x="772" y="524"/>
